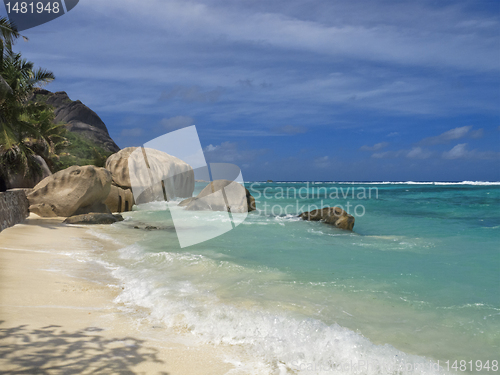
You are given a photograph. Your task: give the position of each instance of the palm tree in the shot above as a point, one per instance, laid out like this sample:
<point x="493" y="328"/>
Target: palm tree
<point x="19" y="73"/>
<point x="52" y="141"/>
<point x="26" y="127"/>
<point x="18" y="116"/>
<point x="8" y="33"/>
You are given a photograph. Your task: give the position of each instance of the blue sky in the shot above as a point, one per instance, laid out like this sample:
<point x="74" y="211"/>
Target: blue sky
<point x="292" y="90"/>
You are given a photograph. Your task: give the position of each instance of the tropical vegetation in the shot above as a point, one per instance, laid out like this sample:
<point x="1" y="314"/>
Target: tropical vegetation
<point x="26" y="127"/>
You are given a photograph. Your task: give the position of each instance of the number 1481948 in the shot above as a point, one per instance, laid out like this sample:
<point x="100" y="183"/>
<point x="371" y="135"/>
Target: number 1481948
<point x="32" y="7"/>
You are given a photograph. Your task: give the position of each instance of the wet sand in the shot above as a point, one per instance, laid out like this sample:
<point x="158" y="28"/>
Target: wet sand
<point x="54" y="322"/>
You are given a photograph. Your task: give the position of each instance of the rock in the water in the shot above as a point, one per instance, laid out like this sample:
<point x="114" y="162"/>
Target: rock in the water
<point x="78" y="117"/>
<point x="221" y="195"/>
<point x="93" y="218"/>
<point x="72" y="191"/>
<point x="172" y="176"/>
<point x="331" y="215"/>
<point x="119" y="200"/>
<point x="146" y="227"/>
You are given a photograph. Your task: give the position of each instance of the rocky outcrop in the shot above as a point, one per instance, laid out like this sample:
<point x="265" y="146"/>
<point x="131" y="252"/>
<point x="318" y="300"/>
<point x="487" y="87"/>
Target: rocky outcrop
<point x="171" y="176"/>
<point x="13" y="208"/>
<point x="72" y="191"/>
<point x="78" y="117"/>
<point x="331" y="215"/>
<point x="88" y="219"/>
<point x="221" y="195"/>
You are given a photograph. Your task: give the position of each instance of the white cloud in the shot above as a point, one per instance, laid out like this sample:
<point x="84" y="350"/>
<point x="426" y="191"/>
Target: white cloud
<point x="322" y="162"/>
<point x="177" y="122"/>
<point x="414" y="153"/>
<point x="389" y="154"/>
<point x="460" y="152"/>
<point x="477" y="133"/>
<point x="197" y="51"/>
<point x="230" y="152"/>
<point x="375" y="147"/>
<point x="376" y="39"/>
<point x="418" y="153"/>
<point x="447" y="136"/>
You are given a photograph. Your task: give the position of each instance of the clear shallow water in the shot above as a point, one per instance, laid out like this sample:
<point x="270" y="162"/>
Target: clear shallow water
<point x="419" y="277"/>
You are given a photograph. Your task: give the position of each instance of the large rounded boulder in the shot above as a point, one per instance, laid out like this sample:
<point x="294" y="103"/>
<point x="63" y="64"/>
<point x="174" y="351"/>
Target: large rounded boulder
<point x="117" y="164"/>
<point x="151" y="174"/>
<point x="72" y="191"/>
<point x="221" y="195"/>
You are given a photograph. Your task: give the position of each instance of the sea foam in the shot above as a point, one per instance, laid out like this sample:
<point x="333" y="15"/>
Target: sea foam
<point x="275" y="341"/>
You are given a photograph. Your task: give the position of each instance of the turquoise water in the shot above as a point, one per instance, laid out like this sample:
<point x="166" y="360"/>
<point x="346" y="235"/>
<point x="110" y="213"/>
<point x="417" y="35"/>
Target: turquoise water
<point x="418" y="280"/>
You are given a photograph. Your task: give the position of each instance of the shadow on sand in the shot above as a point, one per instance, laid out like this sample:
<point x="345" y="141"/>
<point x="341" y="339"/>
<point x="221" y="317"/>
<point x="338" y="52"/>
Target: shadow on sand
<point x="51" y="350"/>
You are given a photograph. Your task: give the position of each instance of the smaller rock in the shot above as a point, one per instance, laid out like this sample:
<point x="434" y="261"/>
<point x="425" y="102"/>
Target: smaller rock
<point x="330" y="215"/>
<point x="93" y="218"/>
<point x="144" y="226"/>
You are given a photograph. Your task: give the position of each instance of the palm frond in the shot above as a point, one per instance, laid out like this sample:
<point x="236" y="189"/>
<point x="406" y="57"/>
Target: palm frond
<point x="41" y="77"/>
<point x="8" y="31"/>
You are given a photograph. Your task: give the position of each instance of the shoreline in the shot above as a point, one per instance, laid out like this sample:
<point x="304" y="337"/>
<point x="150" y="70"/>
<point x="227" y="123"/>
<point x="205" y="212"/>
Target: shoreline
<point x="68" y="322"/>
<point x="83" y="286"/>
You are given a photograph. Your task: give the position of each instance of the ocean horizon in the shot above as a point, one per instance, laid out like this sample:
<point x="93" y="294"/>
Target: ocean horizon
<point x="413" y="289"/>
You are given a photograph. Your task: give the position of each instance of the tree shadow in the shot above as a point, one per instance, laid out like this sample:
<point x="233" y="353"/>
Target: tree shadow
<point x="52" y="350"/>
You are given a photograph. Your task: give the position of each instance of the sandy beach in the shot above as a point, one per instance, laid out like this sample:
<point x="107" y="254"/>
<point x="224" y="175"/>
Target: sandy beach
<point x="54" y="322"/>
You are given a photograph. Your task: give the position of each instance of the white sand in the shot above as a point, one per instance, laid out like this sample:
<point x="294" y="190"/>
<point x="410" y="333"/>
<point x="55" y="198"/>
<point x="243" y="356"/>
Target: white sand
<point x="53" y="323"/>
